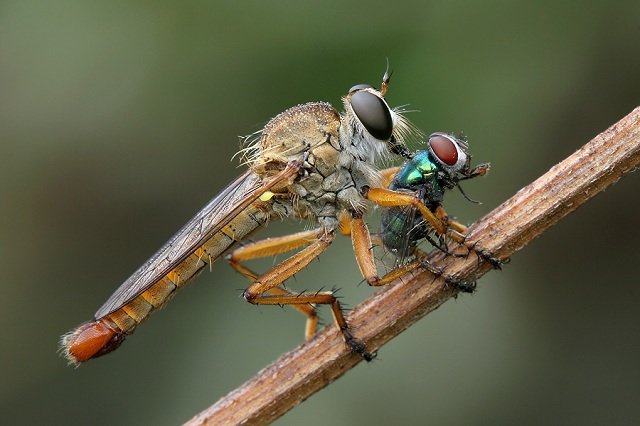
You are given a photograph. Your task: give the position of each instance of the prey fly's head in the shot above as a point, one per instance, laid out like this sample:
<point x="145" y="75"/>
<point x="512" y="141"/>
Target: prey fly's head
<point x="441" y="166"/>
<point x="450" y="154"/>
<point x="447" y="162"/>
<point x="453" y="161"/>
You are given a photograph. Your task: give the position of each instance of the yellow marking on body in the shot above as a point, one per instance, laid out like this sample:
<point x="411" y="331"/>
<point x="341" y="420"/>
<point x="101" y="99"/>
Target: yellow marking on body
<point x="266" y="196"/>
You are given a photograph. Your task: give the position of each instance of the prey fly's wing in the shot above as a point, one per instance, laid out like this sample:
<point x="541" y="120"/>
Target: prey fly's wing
<point x="409" y="234"/>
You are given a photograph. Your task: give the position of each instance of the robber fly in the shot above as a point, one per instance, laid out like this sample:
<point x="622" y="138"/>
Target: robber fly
<point x="425" y="177"/>
<point x="308" y="162"/>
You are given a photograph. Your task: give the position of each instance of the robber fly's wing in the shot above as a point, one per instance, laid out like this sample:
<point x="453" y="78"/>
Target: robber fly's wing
<point x="241" y="193"/>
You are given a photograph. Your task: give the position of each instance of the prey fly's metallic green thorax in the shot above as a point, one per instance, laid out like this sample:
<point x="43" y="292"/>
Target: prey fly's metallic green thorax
<point x="420" y="173"/>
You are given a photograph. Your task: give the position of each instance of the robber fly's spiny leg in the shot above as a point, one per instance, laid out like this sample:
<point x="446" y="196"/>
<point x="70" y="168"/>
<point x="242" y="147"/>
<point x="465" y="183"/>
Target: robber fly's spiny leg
<point x="422" y="262"/>
<point x="389" y="198"/>
<point x="307" y="310"/>
<point x="362" y="247"/>
<point x="316" y="241"/>
<point x="271" y="247"/>
<point x="345" y="224"/>
<point x="460" y="284"/>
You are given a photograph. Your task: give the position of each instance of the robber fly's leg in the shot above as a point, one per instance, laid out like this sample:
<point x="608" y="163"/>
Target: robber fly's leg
<point x="271" y="247"/>
<point x="459" y="227"/>
<point x="389" y="198"/>
<point x="345" y="223"/>
<point x="363" y="243"/>
<point x="366" y="261"/>
<point x="307" y="310"/>
<point x="387" y="175"/>
<point x="452" y="224"/>
<point x="316" y="241"/>
<point x="421" y="262"/>
<point x="279" y="246"/>
<point x="363" y="249"/>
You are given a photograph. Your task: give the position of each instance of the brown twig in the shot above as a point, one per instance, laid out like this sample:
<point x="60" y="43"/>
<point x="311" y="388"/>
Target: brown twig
<point x="313" y="365"/>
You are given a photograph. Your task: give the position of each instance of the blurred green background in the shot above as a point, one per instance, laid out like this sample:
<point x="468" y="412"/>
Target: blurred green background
<point x="118" y="121"/>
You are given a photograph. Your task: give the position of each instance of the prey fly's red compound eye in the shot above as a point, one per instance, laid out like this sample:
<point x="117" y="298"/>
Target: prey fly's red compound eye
<point x="444" y="148"/>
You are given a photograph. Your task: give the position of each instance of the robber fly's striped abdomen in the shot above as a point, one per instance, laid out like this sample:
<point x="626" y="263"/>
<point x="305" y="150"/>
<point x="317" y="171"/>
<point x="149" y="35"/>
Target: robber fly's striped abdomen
<point x="107" y="332"/>
<point x="136" y="311"/>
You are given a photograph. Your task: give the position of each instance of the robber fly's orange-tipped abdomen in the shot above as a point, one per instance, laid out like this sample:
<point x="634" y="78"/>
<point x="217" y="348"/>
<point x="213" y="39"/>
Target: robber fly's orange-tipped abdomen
<point x="91" y="340"/>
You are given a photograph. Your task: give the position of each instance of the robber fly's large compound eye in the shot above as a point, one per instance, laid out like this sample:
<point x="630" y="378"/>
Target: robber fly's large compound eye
<point x="360" y="87"/>
<point x="373" y="113"/>
<point x="447" y="150"/>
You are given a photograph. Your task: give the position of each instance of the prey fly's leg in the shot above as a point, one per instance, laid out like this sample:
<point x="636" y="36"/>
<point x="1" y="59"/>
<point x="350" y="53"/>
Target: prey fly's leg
<point x="444" y="217"/>
<point x="390" y="198"/>
<point x="316" y="242"/>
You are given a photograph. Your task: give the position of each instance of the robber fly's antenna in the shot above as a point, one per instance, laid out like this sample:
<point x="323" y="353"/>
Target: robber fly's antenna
<point x="386" y="78"/>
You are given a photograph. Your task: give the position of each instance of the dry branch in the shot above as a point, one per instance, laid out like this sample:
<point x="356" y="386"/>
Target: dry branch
<point x="313" y="365"/>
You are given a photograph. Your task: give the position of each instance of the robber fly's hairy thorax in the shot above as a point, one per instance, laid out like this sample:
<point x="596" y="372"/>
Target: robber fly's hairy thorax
<point x="338" y="151"/>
